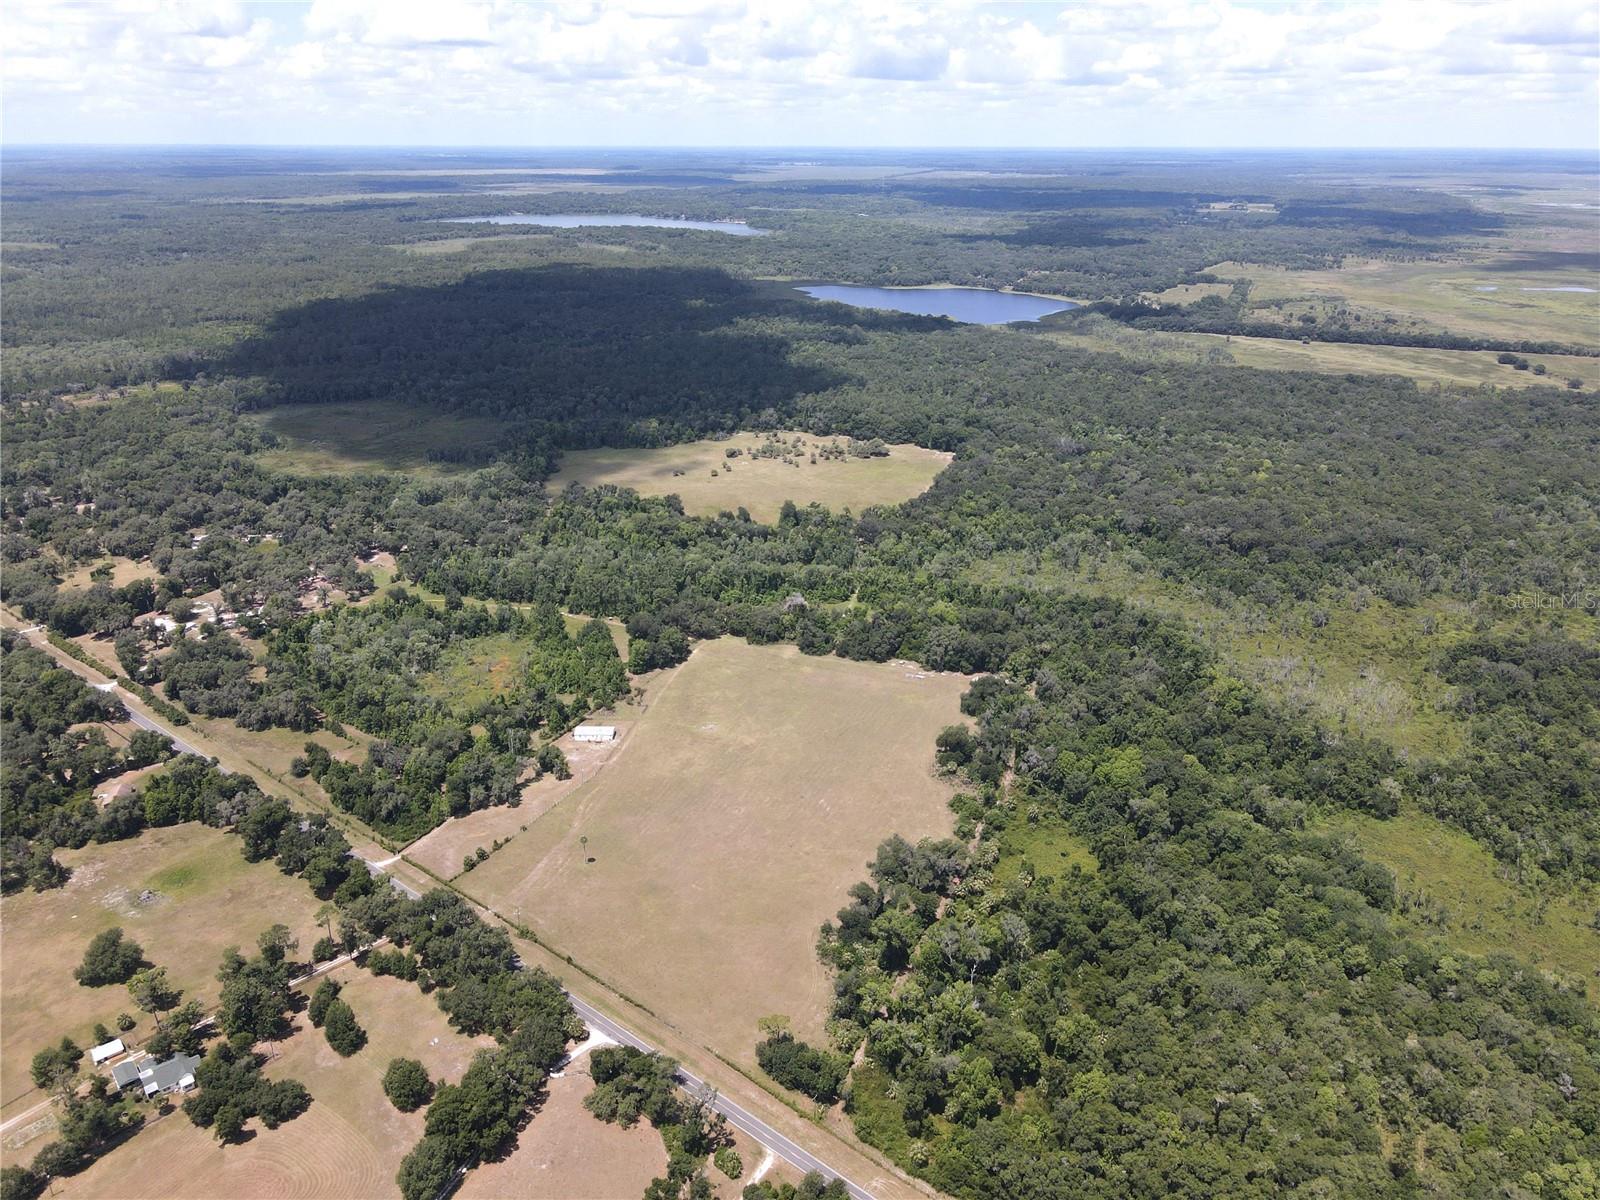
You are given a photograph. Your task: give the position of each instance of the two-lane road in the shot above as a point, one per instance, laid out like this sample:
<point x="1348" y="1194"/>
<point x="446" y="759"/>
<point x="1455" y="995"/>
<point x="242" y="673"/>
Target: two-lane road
<point x="739" y="1117"/>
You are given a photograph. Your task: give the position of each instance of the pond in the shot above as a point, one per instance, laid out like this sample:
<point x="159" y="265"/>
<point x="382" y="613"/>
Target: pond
<point x="974" y="306"/>
<point x="575" y="220"/>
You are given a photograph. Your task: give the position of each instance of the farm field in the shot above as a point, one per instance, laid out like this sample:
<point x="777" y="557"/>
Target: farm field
<point x="1505" y="295"/>
<point x="348" y="1143"/>
<point x="1469" y="904"/>
<point x="566" y="1153"/>
<point x="354" y="438"/>
<point x="207" y="897"/>
<point x="727" y="829"/>
<point x="759" y="485"/>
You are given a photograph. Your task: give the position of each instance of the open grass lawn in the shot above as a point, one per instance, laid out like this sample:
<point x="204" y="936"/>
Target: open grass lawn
<point x="1469" y="903"/>
<point x="1467" y="368"/>
<point x="207" y="898"/>
<point x="349" y="1143"/>
<point x="759" y="485"/>
<point x="349" y="439"/>
<point x="727" y="828"/>
<point x="1501" y="294"/>
<point x="123" y="571"/>
<point x="565" y="1153"/>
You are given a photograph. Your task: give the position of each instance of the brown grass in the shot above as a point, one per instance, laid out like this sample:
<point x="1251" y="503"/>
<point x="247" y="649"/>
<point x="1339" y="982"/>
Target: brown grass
<point x="727" y="828"/>
<point x="565" y="1153"/>
<point x="759" y="485"/>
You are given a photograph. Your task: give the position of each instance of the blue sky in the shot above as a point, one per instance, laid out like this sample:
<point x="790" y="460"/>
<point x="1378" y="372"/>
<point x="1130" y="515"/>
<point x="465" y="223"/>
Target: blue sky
<point x="1516" y="73"/>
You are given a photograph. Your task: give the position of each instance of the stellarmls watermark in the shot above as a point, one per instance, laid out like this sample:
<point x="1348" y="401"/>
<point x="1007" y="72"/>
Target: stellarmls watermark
<point x="1581" y="599"/>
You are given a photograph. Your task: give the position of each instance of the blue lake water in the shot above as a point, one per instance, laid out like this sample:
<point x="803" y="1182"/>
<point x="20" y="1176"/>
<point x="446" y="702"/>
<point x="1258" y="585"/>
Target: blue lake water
<point x="974" y="306"/>
<point x="575" y="220"/>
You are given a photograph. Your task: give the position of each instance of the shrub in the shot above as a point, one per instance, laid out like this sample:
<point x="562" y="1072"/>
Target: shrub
<point x="727" y="1161"/>
<point x="327" y="992"/>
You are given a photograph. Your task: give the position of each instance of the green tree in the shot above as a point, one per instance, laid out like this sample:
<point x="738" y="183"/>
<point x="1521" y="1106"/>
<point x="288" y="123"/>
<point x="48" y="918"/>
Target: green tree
<point x="407" y="1085"/>
<point x="110" y="958"/>
<point x="340" y="1027"/>
<point x="152" y="992"/>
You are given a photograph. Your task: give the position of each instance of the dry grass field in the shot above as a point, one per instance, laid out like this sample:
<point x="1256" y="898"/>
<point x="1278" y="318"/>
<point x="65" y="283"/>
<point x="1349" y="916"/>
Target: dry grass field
<point x="727" y="827"/>
<point x="759" y="485"/>
<point x="349" y="1143"/>
<point x="1465" y="367"/>
<point x="565" y="1153"/>
<point x="206" y="898"/>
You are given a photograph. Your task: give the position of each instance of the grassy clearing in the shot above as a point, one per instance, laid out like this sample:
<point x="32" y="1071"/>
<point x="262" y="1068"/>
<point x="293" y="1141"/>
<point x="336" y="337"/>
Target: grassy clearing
<point x="123" y="571"/>
<point x="1049" y="847"/>
<point x="564" y="1152"/>
<point x="759" y="485"/>
<point x="477" y="671"/>
<point x="1463" y="897"/>
<point x="1445" y="296"/>
<point x="353" y="439"/>
<point x="207" y="898"/>
<point x="725" y="830"/>
<point x="1366" y="670"/>
<point x="1467" y="368"/>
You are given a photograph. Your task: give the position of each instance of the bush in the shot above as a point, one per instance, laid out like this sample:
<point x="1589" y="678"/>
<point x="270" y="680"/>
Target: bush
<point x="407" y="1085"/>
<point x="816" y="1073"/>
<point x="325" y="950"/>
<point x="339" y="1025"/>
<point x="19" y="1183"/>
<point x="109" y="959"/>
<point x="727" y="1161"/>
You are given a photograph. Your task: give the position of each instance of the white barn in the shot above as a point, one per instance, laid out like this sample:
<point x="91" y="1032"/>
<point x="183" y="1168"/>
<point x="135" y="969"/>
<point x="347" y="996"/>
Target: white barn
<point x="99" y="1054"/>
<point x="594" y="733"/>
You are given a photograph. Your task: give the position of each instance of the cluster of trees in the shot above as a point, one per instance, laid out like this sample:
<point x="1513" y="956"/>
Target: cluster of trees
<point x="110" y="958"/>
<point x="364" y="665"/>
<point x="87" y="1126"/>
<point x="816" y="1073"/>
<point x="232" y="1090"/>
<point x="629" y="1084"/>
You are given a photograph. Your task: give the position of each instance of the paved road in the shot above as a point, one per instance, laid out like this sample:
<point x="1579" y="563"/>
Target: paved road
<point x="739" y="1117"/>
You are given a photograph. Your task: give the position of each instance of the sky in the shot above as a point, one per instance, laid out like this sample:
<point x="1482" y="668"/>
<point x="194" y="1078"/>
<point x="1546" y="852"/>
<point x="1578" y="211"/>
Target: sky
<point x="1089" y="73"/>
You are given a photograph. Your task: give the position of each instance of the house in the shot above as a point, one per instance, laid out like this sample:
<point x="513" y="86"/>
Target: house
<point x="157" y="1078"/>
<point x="106" y="1050"/>
<point x="594" y="733"/>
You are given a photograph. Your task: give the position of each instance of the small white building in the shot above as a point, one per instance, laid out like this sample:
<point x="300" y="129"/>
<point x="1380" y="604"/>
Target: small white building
<point x="595" y="733"/>
<point x="106" y="1050"/>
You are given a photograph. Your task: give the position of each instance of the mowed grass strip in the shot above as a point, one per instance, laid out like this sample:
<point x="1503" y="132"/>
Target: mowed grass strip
<point x="760" y="485"/>
<point x="727" y="828"/>
<point x="207" y="897"/>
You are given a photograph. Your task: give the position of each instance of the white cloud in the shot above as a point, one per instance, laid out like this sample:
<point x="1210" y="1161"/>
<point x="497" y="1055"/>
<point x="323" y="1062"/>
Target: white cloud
<point x="1202" y="71"/>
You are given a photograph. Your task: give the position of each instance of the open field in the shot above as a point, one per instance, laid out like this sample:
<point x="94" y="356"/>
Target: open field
<point x="349" y="439"/>
<point x="1049" y="846"/>
<point x="348" y="1143"/>
<point x="1504" y="295"/>
<point x="729" y="827"/>
<point x="759" y="485"/>
<point x="1469" y="904"/>
<point x="472" y="672"/>
<point x="207" y="898"/>
<point x="123" y="571"/>
<point x="565" y="1153"/>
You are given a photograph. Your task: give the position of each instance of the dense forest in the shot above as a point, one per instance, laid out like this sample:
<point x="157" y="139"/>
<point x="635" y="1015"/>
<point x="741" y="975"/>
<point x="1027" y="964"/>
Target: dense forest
<point x="1226" y="1003"/>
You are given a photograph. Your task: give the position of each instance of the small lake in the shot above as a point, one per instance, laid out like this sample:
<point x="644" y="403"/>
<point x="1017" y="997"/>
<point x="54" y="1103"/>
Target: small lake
<point x="577" y="220"/>
<point x="974" y="306"/>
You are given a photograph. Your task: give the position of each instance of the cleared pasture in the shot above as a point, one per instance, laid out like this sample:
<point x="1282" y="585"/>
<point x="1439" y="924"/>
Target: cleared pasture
<point x="708" y="481"/>
<point x="730" y="824"/>
<point x="205" y="898"/>
<point x="565" y="1153"/>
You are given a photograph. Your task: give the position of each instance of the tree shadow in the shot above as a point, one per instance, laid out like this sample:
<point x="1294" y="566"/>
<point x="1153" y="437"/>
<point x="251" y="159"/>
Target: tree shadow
<point x="581" y="355"/>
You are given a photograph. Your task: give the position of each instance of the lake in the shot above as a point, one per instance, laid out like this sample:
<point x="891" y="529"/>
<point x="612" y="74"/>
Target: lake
<point x="973" y="306"/>
<point x="575" y="220"/>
